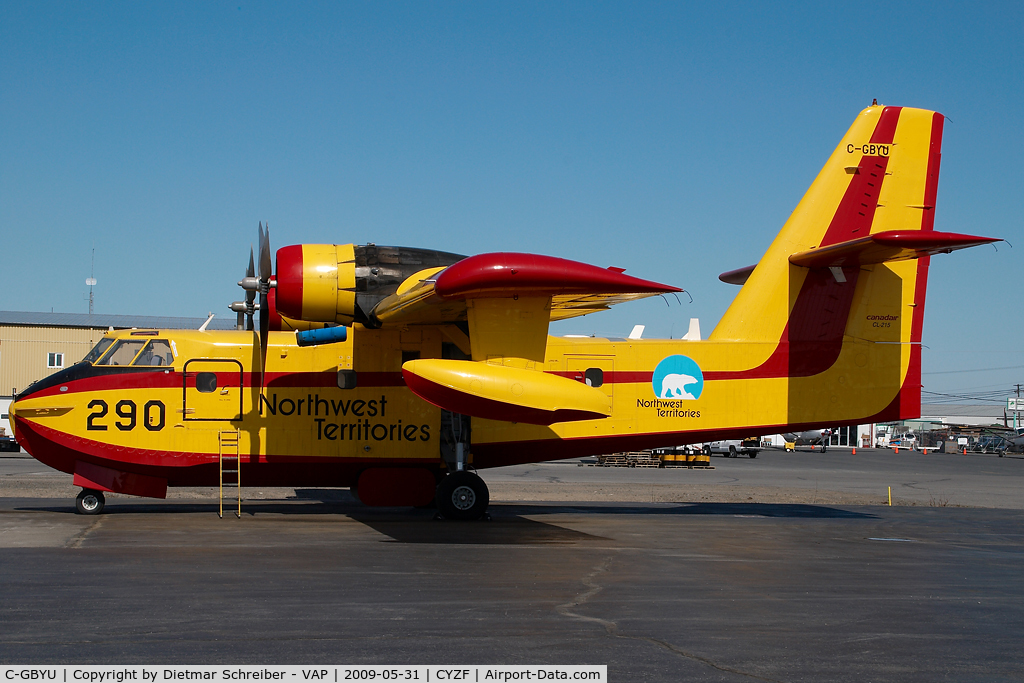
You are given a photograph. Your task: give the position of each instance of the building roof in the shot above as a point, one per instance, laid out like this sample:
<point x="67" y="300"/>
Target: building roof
<point x="992" y="410"/>
<point x="102" y="321"/>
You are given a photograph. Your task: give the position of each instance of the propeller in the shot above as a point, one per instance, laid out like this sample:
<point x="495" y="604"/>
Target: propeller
<point x="253" y="284"/>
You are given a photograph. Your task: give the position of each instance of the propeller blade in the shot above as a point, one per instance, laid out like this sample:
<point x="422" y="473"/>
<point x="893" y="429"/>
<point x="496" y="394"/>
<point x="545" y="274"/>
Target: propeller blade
<point x="265" y="265"/>
<point x="265" y="272"/>
<point x="264" y="335"/>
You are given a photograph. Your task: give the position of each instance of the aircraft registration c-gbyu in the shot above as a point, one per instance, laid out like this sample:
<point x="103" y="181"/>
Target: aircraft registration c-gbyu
<point x="398" y="372"/>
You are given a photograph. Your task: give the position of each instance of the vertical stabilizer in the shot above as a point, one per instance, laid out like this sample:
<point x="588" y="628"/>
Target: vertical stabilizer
<point x="882" y="177"/>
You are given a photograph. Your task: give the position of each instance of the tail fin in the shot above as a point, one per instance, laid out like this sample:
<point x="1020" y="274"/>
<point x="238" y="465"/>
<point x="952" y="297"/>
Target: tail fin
<point x="850" y="266"/>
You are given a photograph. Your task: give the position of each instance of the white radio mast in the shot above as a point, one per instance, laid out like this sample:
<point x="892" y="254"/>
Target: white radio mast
<point x="91" y="281"/>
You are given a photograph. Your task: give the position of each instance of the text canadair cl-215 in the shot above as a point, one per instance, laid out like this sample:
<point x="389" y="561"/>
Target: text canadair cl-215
<point x="398" y="372"/>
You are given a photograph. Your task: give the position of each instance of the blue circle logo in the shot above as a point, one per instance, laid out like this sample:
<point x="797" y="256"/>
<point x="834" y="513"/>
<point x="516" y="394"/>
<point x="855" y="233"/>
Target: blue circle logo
<point x="678" y="377"/>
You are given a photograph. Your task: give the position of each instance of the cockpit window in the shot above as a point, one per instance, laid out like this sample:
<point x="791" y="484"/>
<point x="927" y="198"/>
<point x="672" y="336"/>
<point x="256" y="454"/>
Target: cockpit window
<point x="157" y="352"/>
<point x="123" y="353"/>
<point x="98" y="350"/>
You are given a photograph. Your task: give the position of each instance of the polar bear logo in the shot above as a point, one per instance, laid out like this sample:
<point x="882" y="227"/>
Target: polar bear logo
<point x="678" y="378"/>
<point x="674" y="386"/>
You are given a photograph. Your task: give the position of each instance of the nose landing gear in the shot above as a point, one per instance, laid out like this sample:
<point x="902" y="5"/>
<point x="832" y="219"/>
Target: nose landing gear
<point x="90" y="502"/>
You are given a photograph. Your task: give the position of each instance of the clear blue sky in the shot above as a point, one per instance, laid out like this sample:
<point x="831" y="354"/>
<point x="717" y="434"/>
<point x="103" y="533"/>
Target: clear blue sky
<point x="669" y="139"/>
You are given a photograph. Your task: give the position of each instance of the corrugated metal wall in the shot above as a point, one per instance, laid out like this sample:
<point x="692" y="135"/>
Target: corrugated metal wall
<point x="24" y="351"/>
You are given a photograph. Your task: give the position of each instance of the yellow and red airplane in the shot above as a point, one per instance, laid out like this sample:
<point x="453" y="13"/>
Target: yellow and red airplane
<point x="397" y="372"/>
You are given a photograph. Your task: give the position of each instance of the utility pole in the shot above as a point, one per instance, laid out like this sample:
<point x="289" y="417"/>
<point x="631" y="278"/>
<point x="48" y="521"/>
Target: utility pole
<point x="1016" y="412"/>
<point x="92" y="278"/>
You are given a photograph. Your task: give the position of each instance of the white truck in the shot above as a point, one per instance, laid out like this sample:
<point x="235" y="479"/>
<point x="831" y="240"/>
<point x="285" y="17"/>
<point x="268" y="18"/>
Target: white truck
<point x="731" y="448"/>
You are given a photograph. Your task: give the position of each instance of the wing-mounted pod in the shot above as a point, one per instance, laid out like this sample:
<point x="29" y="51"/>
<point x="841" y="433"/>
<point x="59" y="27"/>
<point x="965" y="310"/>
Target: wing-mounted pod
<point x="342" y="283"/>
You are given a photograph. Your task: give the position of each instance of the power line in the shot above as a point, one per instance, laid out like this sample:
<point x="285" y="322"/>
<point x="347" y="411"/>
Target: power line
<point x="981" y="397"/>
<point x="957" y="372"/>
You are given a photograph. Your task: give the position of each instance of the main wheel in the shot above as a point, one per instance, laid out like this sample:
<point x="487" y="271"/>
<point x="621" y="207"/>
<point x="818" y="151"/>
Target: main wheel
<point x="90" y="502"/>
<point x="752" y="454"/>
<point x="462" y="495"/>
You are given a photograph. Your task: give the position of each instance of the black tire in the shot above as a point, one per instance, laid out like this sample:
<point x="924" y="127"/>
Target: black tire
<point x="732" y="451"/>
<point x="90" y="502"/>
<point x="752" y="454"/>
<point x="462" y="495"/>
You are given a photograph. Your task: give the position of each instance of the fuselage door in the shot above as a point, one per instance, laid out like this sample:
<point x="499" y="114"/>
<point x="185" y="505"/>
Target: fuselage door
<point x="213" y="390"/>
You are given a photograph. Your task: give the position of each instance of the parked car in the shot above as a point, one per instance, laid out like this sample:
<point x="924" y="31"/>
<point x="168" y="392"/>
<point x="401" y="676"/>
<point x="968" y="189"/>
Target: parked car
<point x="990" y="443"/>
<point x="731" y="448"/>
<point x="7" y="442"/>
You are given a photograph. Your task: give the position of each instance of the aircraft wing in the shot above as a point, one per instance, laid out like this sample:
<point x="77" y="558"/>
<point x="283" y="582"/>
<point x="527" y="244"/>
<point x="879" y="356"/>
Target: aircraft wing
<point x="442" y="295"/>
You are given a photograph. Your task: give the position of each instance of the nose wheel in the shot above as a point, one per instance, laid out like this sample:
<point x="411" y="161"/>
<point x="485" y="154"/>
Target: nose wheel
<point x="462" y="495"/>
<point x="90" y="502"/>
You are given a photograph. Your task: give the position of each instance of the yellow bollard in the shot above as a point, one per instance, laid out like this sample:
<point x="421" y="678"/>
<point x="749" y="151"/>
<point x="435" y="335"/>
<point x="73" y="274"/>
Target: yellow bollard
<point x="890" y="496"/>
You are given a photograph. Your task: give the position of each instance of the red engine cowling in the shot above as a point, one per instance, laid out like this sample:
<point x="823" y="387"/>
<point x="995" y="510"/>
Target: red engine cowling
<point x="341" y="283"/>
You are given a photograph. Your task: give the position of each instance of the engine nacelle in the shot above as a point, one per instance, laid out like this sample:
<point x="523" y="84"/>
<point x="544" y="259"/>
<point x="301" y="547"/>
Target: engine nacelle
<point x="341" y="283"/>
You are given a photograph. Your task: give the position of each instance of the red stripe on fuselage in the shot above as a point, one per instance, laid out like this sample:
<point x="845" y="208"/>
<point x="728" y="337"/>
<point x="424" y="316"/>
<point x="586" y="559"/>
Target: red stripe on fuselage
<point x="61" y="451"/>
<point x="134" y="378"/>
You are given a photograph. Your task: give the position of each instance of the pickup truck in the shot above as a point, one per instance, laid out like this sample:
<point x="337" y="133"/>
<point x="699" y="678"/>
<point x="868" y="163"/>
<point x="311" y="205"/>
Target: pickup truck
<point x="731" y="448"/>
<point x="8" y="444"/>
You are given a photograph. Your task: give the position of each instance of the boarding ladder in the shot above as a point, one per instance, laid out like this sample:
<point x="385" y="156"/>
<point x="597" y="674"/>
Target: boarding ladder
<point x="230" y="464"/>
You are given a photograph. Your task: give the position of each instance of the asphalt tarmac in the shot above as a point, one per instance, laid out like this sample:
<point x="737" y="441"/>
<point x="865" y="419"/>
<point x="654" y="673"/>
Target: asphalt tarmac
<point x="667" y="591"/>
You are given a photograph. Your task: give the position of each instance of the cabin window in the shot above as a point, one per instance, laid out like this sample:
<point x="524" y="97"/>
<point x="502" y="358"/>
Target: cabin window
<point x="123" y="353"/>
<point x="206" y="382"/>
<point x="346" y="379"/>
<point x="594" y="377"/>
<point x="98" y="350"/>
<point x="157" y="352"/>
<point x="55" y="360"/>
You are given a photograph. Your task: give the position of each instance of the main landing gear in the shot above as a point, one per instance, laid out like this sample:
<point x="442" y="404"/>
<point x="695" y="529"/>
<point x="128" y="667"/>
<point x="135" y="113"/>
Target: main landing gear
<point x="90" y="502"/>
<point x="462" y="495"/>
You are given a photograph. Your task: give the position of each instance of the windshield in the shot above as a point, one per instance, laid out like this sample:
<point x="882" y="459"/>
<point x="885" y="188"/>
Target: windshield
<point x="157" y="352"/>
<point x="98" y="350"/>
<point x="123" y="352"/>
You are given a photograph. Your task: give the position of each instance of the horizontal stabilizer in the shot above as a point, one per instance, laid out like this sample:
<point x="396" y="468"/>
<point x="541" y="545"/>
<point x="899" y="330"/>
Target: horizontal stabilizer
<point x="738" y="276"/>
<point x="498" y="392"/>
<point x="894" y="245"/>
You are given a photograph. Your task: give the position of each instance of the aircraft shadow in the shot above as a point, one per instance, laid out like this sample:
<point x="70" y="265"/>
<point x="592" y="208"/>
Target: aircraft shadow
<point x="499" y="530"/>
<point x="509" y="523"/>
<point x="782" y="510"/>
